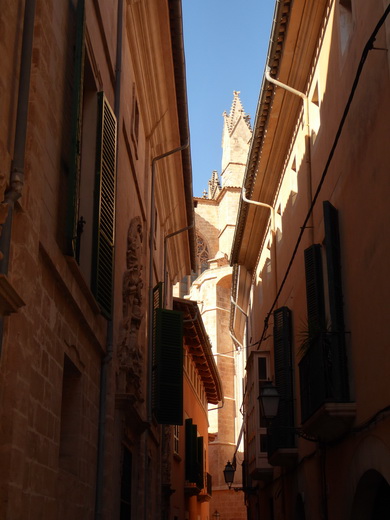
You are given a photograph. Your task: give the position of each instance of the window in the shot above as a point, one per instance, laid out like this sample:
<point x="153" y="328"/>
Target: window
<point x="176" y="431"/>
<point x="71" y="417"/>
<point x="263" y="375"/>
<point x="168" y="367"/>
<point x="90" y="212"/>
<point x="323" y="367"/>
<point x="281" y="429"/>
<point x="202" y="254"/>
<point x="194" y="455"/>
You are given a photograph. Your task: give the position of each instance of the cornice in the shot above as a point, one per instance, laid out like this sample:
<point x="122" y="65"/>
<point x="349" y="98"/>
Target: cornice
<point x="198" y="342"/>
<point x="291" y="62"/>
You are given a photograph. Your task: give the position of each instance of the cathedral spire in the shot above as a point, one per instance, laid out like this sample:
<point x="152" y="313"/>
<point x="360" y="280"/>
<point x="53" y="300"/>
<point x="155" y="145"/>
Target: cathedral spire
<point x="235" y="143"/>
<point x="236" y="112"/>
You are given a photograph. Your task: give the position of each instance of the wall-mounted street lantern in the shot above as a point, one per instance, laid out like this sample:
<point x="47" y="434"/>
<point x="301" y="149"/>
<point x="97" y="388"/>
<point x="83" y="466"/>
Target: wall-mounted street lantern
<point x="229" y="479"/>
<point x="228" y="473"/>
<point x="216" y="515"/>
<point x="269" y="400"/>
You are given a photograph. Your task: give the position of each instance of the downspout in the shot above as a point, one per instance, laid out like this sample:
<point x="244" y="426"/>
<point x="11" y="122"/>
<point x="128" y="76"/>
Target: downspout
<point x="232" y="335"/>
<point x="14" y="191"/>
<point x="16" y="182"/>
<point x="151" y="311"/>
<point x="170" y="235"/>
<point x="273" y="231"/>
<point x="307" y="136"/>
<point x="231" y="329"/>
<point x="110" y="326"/>
<point x="151" y="248"/>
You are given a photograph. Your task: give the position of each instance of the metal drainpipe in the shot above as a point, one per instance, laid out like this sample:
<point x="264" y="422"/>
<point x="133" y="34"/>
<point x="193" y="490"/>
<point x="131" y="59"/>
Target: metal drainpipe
<point x="110" y="326"/>
<point x="150" y="314"/>
<point x="151" y="248"/>
<point x="273" y="231"/>
<point x="307" y="137"/>
<point x="16" y="182"/>
<point x="165" y="257"/>
<point x="14" y="191"/>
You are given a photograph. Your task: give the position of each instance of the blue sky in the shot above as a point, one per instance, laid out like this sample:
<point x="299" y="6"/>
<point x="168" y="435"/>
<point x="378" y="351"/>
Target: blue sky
<point x="226" y="44"/>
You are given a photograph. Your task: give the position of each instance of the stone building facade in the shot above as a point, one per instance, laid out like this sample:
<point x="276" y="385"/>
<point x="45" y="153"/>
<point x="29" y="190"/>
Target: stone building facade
<point x="310" y="266"/>
<point x="95" y="172"/>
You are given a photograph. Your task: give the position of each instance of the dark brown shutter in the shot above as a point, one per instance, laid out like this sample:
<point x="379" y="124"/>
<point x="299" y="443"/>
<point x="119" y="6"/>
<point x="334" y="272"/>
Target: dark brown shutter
<point x="337" y="352"/>
<point x="104" y="217"/>
<point x="314" y="291"/>
<point x="191" y="451"/>
<point x="73" y="180"/>
<point x="200" y="477"/>
<point x="168" y="376"/>
<point x="282" y="426"/>
<point x="332" y="244"/>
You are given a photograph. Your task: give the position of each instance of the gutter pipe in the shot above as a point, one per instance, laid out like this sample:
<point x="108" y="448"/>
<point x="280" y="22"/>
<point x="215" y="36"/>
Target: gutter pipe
<point x="16" y="182"/>
<point x="273" y="231"/>
<point x="151" y="248"/>
<point x="170" y="235"/>
<point x="105" y="363"/>
<point x="305" y="99"/>
<point x="263" y="205"/>
<point x="232" y="335"/>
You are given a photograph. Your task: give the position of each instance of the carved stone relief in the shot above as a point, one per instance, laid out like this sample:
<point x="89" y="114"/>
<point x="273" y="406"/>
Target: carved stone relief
<point x="129" y="377"/>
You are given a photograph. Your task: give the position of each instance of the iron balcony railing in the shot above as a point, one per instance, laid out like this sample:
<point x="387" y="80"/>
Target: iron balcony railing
<point x="323" y="374"/>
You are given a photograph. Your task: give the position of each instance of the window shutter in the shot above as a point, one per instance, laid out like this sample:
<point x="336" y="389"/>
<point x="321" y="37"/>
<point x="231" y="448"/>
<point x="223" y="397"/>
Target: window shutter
<point x="157" y="296"/>
<point x="76" y="121"/>
<point x="332" y="243"/>
<point x="157" y="304"/>
<point x="200" y="479"/>
<point x="104" y="220"/>
<point x="314" y="290"/>
<point x="284" y="421"/>
<point x="168" y="396"/>
<point x="191" y="451"/>
<point x="337" y="353"/>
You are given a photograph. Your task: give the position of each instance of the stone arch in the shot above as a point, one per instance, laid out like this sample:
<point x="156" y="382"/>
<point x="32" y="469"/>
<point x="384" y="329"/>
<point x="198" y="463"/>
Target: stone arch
<point x="225" y="281"/>
<point x="299" y="513"/>
<point x="369" y="490"/>
<point x="372" y="497"/>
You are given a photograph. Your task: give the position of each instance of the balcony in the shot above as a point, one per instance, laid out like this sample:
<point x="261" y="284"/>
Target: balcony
<point x="326" y="410"/>
<point x="191" y="488"/>
<point x="281" y="445"/>
<point x="258" y="466"/>
<point x="207" y="491"/>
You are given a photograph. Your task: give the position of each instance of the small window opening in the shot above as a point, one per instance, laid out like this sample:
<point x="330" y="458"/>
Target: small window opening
<point x="71" y="417"/>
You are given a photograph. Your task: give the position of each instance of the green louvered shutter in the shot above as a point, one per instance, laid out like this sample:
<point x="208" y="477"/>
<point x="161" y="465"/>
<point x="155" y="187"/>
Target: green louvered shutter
<point x="157" y="304"/>
<point x="73" y="182"/>
<point x="314" y="291"/>
<point x="168" y="377"/>
<point x="104" y="214"/>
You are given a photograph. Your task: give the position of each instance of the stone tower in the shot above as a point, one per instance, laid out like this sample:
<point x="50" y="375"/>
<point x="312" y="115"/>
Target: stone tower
<point x="215" y="216"/>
